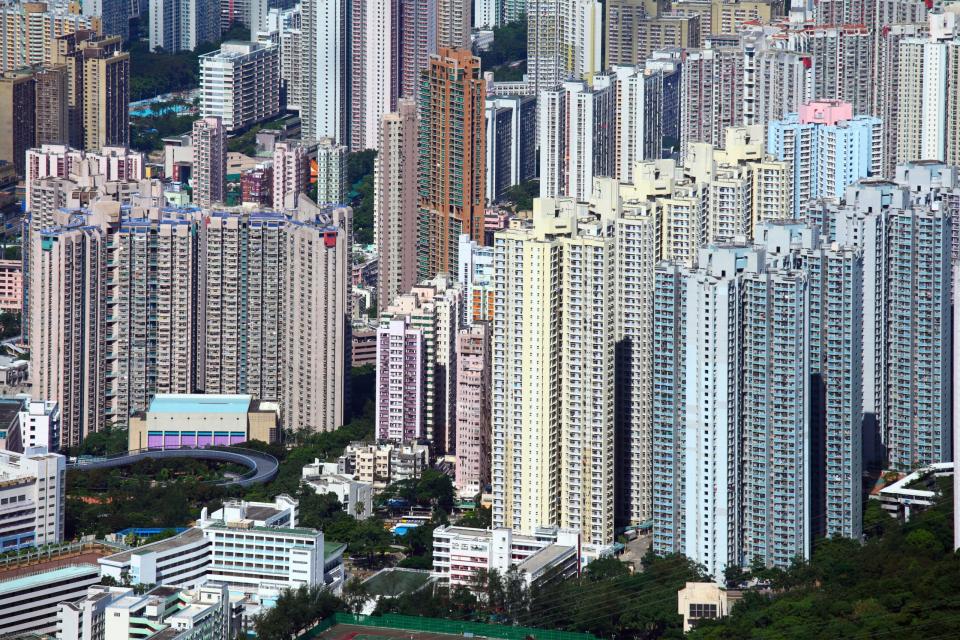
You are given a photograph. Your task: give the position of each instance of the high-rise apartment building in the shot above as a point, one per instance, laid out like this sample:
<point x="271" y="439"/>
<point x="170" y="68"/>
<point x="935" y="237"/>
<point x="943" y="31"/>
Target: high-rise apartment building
<point x="209" y="161"/>
<point x="739" y="481"/>
<point x="665" y="31"/>
<point x="719" y="17"/>
<point x="928" y="127"/>
<point x="395" y="202"/>
<point x="291" y="174"/>
<point x="418" y="40"/>
<point x="316" y="338"/>
<point x="843" y="59"/>
<point x="828" y="149"/>
<point x="98" y="89"/>
<point x="18" y="127"/>
<point x="886" y="85"/>
<point x="240" y="84"/>
<point x="151" y="300"/>
<point x="451" y="163"/>
<point x="454" y="21"/>
<point x="29" y="31"/>
<point x="511" y="137"/>
<point x="434" y="307"/>
<point x="401" y="381"/>
<point x="53" y="115"/>
<point x="905" y="230"/>
<point x="325" y="111"/>
<point x="475" y="275"/>
<point x="331" y="171"/>
<point x="577" y="136"/>
<point x="472" y="441"/>
<point x="552" y="378"/>
<point x="639" y="118"/>
<point x="545" y="66"/>
<point x="711" y="94"/>
<point x="177" y="25"/>
<point x="114" y="16"/>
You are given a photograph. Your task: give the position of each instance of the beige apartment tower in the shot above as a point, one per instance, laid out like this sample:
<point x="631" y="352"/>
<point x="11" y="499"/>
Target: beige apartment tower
<point x="209" y="162"/>
<point x="395" y="202"/>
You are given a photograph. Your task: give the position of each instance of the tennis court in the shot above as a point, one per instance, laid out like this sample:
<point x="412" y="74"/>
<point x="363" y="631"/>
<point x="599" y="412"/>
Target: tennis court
<point x="351" y="632"/>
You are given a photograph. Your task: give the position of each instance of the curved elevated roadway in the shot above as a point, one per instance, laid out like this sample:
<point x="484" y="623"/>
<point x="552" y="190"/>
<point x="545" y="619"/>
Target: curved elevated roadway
<point x="263" y="466"/>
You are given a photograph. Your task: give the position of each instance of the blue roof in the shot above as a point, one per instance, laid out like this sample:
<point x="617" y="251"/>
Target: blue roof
<point x="200" y="403"/>
<point x="38" y="579"/>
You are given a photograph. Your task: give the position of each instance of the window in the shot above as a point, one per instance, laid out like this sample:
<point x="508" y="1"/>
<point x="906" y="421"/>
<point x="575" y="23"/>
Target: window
<point x="703" y="610"/>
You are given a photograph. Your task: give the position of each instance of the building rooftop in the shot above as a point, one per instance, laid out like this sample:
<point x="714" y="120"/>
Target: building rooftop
<point x="293" y="531"/>
<point x="200" y="403"/>
<point x="188" y="536"/>
<point x="333" y="548"/>
<point x="37" y="579"/>
<point x="545" y="558"/>
<point x="261" y="513"/>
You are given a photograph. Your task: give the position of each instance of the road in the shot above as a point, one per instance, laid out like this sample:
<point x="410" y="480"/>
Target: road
<point x="263" y="465"/>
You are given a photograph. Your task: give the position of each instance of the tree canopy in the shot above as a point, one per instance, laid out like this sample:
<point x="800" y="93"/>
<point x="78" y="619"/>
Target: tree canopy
<point x="903" y="583"/>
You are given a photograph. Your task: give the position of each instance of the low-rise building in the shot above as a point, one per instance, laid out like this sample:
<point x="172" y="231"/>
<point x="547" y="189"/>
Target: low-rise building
<point x="385" y="463"/>
<point x="255" y="548"/>
<point x="460" y="552"/>
<point x="913" y="492"/>
<point x="26" y="424"/>
<point x="195" y="420"/>
<point x="355" y="496"/>
<point x="167" y="613"/>
<point x="180" y="561"/>
<point x="29" y="603"/>
<point x="32" y="487"/>
<point x="704" y="601"/>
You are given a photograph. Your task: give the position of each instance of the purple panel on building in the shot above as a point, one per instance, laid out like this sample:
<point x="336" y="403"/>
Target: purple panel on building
<point x="204" y="439"/>
<point x="221" y="438"/>
<point x="171" y="441"/>
<point x="188" y="439"/>
<point x="154" y="442"/>
<point x="237" y="438"/>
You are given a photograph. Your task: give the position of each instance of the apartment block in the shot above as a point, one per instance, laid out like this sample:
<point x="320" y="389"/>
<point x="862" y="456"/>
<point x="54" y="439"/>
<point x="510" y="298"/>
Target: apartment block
<point x="511" y="138"/>
<point x="475" y="275"/>
<point x="28" y="32"/>
<point x="435" y="308"/>
<point x="18" y="129"/>
<point x="240" y="84"/>
<point x="472" y="433"/>
<point x="401" y="381"/>
<point x="828" y="149"/>
<point x="209" y="161"/>
<point x="177" y="25"/>
<point x="451" y="159"/>
<point x="99" y="89"/>
<point x="291" y="174"/>
<point x="553" y="364"/>
<point x="395" y="202"/>
<point x="577" y="136"/>
<point x="331" y="172"/>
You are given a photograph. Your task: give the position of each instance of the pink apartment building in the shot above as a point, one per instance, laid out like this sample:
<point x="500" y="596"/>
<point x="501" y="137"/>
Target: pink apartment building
<point x="11" y="285"/>
<point x="472" y="435"/>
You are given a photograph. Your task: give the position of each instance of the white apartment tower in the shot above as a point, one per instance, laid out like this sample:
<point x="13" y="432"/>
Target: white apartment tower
<point x="577" y="136"/>
<point x="325" y="112"/>
<point x="331" y="172"/>
<point x="240" y="83"/>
